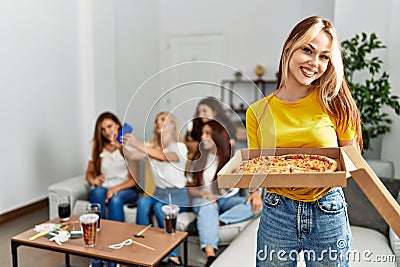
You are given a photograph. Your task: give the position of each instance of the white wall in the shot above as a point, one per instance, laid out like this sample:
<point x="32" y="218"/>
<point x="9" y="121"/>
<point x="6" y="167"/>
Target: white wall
<point x="391" y="144"/>
<point x="40" y="106"/>
<point x="104" y="55"/>
<point x="254" y="30"/>
<point x="137" y="58"/>
<point x="382" y="18"/>
<point x="59" y="70"/>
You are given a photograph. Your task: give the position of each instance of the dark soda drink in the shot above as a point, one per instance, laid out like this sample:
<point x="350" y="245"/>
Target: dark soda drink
<point x="89" y="233"/>
<point x="98" y="222"/>
<point x="170" y="223"/>
<point x="170" y="215"/>
<point x="64" y="211"/>
<point x="95" y="208"/>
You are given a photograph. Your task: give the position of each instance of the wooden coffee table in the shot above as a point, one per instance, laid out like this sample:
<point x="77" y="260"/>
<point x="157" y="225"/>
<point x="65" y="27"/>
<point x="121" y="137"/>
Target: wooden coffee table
<point x="112" y="232"/>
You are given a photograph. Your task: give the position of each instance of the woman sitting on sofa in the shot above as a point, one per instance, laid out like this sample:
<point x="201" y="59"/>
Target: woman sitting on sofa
<point x="213" y="206"/>
<point x="167" y="158"/>
<point x="106" y="172"/>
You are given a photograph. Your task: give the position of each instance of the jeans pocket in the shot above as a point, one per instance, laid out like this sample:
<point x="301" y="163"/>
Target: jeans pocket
<point x="271" y="199"/>
<point x="333" y="202"/>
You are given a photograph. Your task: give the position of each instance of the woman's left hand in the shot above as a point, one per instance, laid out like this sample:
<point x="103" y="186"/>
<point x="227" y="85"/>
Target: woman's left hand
<point x="210" y="196"/>
<point x="110" y="193"/>
<point x="255" y="200"/>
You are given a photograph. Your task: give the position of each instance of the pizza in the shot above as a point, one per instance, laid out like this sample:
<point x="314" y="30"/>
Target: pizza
<point x="291" y="163"/>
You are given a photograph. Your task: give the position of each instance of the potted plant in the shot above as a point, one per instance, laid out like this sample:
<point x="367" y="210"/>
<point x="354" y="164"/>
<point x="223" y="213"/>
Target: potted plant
<point x="373" y="93"/>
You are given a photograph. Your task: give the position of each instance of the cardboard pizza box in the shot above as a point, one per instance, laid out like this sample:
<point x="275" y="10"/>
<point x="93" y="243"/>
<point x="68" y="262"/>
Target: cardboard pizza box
<point x="227" y="178"/>
<point x="374" y="189"/>
<point x="350" y="163"/>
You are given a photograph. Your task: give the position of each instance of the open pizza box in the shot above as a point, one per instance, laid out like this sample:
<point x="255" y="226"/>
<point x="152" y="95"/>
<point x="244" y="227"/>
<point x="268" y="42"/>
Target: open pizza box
<point x="350" y="163"/>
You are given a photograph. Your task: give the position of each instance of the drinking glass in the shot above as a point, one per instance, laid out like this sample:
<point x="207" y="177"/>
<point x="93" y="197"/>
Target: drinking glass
<point x="170" y="216"/>
<point x="64" y="207"/>
<point x="96" y="209"/>
<point x="89" y="226"/>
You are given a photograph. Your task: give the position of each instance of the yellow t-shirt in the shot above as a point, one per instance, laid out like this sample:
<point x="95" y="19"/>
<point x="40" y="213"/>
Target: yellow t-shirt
<point x="271" y="122"/>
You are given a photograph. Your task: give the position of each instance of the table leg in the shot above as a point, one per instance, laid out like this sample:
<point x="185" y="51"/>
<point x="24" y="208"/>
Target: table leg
<point x="185" y="252"/>
<point x="14" y="251"/>
<point x="67" y="262"/>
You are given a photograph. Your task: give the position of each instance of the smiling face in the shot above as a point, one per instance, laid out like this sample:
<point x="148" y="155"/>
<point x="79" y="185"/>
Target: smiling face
<point x="206" y="138"/>
<point x="309" y="62"/>
<point x="162" y="124"/>
<point x="206" y="113"/>
<point x="109" y="130"/>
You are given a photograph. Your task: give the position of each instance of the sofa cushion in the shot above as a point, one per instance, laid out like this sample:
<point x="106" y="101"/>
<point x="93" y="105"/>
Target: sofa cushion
<point x="382" y="168"/>
<point x="368" y="246"/>
<point x="360" y="209"/>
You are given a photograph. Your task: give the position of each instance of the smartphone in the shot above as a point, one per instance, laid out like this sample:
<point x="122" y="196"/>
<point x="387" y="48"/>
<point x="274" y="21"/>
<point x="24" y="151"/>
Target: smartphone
<point x="125" y="129"/>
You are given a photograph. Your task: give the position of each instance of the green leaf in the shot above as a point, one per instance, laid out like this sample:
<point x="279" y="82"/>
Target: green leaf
<point x="373" y="94"/>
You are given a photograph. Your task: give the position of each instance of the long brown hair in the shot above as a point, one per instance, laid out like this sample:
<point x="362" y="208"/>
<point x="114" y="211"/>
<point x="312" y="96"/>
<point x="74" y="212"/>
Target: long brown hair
<point x="98" y="140"/>
<point x="221" y="117"/>
<point x="222" y="142"/>
<point x="334" y="93"/>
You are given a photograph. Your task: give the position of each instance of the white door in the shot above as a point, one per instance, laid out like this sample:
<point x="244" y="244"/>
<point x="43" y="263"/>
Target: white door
<point x="192" y="75"/>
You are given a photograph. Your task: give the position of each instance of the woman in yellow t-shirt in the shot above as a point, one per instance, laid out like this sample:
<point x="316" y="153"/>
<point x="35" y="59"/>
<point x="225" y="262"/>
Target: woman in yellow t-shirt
<point x="312" y="107"/>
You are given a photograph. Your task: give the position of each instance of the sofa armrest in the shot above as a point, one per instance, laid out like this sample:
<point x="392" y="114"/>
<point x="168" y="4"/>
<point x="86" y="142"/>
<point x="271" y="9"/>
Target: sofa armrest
<point x="382" y="168"/>
<point x="395" y="245"/>
<point x="76" y="187"/>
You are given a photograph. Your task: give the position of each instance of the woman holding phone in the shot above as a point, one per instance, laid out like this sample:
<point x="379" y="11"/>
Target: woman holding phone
<point x="167" y="156"/>
<point x="107" y="172"/>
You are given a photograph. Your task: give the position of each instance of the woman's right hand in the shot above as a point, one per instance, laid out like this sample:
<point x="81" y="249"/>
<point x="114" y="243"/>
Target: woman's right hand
<point x="98" y="180"/>
<point x="130" y="140"/>
<point x="255" y="200"/>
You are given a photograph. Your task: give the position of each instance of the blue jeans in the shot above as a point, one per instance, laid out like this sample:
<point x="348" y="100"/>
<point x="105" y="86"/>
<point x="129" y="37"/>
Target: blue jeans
<point x="227" y="210"/>
<point x="149" y="205"/>
<point x="320" y="229"/>
<point x="100" y="263"/>
<point x="115" y="204"/>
